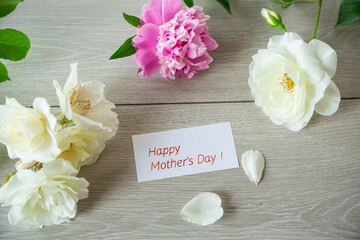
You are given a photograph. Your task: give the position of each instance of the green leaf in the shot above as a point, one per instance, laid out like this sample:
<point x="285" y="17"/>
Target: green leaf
<point x="3" y="73"/>
<point x="135" y="21"/>
<point x="124" y="50"/>
<point x="349" y="12"/>
<point x="225" y="4"/>
<point x="189" y="3"/>
<point x="7" y="6"/>
<point x="14" y="45"/>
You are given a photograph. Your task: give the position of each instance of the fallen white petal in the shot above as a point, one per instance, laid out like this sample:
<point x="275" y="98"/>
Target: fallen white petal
<point x="253" y="163"/>
<point x="204" y="209"/>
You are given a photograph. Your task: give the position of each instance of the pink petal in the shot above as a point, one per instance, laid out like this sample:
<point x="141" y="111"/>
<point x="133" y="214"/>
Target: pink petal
<point x="146" y="36"/>
<point x="209" y="42"/>
<point x="187" y="75"/>
<point x="183" y="41"/>
<point x="192" y="51"/>
<point x="152" y="13"/>
<point x="148" y="61"/>
<point x="170" y="8"/>
<point x="202" y="62"/>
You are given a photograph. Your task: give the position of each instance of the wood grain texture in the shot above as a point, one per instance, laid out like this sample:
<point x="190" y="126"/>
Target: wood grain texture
<point x="310" y="188"/>
<point x="89" y="31"/>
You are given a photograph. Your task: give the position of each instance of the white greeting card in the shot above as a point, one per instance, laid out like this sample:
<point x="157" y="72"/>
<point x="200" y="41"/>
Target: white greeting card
<point x="184" y="151"/>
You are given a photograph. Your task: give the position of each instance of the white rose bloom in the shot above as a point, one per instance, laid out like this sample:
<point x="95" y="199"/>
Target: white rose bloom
<point x="29" y="133"/>
<point x="84" y="103"/>
<point x="48" y="196"/>
<point x="291" y="79"/>
<point x="80" y="147"/>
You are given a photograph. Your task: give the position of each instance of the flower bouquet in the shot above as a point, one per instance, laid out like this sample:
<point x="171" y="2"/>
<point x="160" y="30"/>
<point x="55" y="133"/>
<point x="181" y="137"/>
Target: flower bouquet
<point x="51" y="148"/>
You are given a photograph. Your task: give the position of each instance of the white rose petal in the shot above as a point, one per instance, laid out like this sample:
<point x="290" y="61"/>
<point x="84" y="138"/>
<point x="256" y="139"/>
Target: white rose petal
<point x="291" y="79"/>
<point x="48" y="196"/>
<point x="203" y="209"/>
<point x="329" y="104"/>
<point x="80" y="147"/>
<point x="29" y="133"/>
<point x="253" y="163"/>
<point x="325" y="55"/>
<point x="84" y="103"/>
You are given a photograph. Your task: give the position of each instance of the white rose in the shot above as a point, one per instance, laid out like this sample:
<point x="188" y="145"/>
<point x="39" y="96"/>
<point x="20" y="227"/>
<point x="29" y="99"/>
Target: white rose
<point x="291" y="79"/>
<point x="84" y="103"/>
<point x="29" y="133"/>
<point x="48" y="196"/>
<point x="80" y="147"/>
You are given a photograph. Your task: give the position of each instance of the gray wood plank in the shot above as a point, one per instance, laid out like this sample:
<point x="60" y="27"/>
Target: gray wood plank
<point x="310" y="190"/>
<point x="89" y="31"/>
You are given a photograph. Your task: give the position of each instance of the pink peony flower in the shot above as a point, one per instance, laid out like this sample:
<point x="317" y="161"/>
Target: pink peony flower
<point x="172" y="40"/>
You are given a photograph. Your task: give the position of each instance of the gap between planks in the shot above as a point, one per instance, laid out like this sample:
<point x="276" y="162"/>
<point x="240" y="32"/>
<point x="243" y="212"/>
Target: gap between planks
<point x="189" y="103"/>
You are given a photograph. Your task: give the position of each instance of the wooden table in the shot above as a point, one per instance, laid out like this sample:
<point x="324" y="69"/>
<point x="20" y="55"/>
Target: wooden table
<point x="311" y="186"/>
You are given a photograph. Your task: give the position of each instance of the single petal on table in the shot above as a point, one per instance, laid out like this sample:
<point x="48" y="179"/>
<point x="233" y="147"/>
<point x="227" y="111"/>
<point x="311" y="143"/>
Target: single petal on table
<point x="204" y="209"/>
<point x="253" y="163"/>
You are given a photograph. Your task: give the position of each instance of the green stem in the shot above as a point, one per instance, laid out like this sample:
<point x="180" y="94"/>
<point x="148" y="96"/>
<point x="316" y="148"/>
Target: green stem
<point x="317" y="20"/>
<point x="305" y="1"/>
<point x="289" y="3"/>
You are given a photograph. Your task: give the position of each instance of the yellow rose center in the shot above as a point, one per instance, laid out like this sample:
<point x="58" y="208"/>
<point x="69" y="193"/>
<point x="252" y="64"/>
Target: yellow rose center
<point x="78" y="105"/>
<point x="287" y="83"/>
